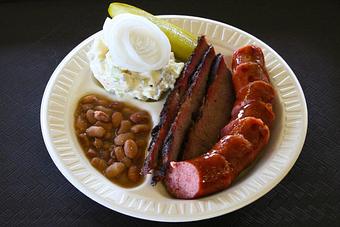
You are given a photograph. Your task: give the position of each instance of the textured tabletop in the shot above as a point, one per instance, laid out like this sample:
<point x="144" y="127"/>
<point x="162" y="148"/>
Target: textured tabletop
<point x="36" y="35"/>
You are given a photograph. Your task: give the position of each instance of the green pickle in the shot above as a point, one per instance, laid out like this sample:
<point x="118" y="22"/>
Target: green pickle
<point x="182" y="42"/>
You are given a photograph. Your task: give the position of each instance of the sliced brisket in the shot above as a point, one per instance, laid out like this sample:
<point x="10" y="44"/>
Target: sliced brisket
<point x="214" y="113"/>
<point x="171" y="106"/>
<point x="188" y="108"/>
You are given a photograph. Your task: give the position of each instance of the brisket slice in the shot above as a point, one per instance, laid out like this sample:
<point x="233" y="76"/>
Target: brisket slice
<point x="171" y="106"/>
<point x="189" y="107"/>
<point x="214" y="113"/>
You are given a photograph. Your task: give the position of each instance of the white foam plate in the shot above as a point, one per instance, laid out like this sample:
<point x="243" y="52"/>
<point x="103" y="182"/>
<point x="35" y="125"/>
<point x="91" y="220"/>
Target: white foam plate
<point x="73" y="79"/>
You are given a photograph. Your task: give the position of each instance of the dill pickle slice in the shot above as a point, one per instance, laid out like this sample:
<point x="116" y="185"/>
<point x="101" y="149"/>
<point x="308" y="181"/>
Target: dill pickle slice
<point x="182" y="42"/>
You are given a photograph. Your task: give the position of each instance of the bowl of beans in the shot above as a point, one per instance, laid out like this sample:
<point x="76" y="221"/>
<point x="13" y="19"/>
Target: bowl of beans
<point x="114" y="136"/>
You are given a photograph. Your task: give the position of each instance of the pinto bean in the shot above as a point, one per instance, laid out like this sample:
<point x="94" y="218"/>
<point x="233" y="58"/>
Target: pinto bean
<point x="133" y="174"/>
<point x="116" y="105"/>
<point x="107" y="126"/>
<point x="112" y="147"/>
<point x="89" y="99"/>
<point x="140" y="117"/>
<point x="101" y="116"/>
<point x="119" y="153"/>
<point x="99" y="163"/>
<point x="91" y="153"/>
<point x="140" y="128"/>
<point x="98" y="143"/>
<point x="104" y="154"/>
<point x="95" y="131"/>
<point x="90" y="116"/>
<point x="127" y="162"/>
<point x="127" y="111"/>
<point x="113" y="154"/>
<point x="115" y="170"/>
<point x="116" y="118"/>
<point x="111" y="161"/>
<point x="130" y="148"/>
<point x="125" y="126"/>
<point x="139" y="153"/>
<point x="84" y="140"/>
<point x="104" y="109"/>
<point x="87" y="106"/>
<point x="103" y="102"/>
<point x="107" y="145"/>
<point x="121" y="138"/>
<point x="81" y="124"/>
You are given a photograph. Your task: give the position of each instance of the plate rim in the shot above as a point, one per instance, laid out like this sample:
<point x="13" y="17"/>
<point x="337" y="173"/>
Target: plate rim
<point x="93" y="196"/>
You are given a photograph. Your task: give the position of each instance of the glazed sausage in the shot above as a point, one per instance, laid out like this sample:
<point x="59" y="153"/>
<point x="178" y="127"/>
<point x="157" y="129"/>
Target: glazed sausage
<point x="254" y="93"/>
<point x="242" y="138"/>
<point x="216" y="170"/>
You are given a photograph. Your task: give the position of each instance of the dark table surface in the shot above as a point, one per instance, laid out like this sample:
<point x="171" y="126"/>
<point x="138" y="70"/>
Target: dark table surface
<point x="36" y="35"/>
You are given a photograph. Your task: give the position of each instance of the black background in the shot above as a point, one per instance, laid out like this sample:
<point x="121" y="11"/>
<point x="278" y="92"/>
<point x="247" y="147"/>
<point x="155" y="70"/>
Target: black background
<point x="36" y="35"/>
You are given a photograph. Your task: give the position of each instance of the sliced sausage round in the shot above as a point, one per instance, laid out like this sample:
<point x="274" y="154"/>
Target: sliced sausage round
<point x="253" y="129"/>
<point x="235" y="149"/>
<point x="257" y="109"/>
<point x="200" y="176"/>
<point x="247" y="73"/>
<point x="248" y="53"/>
<point x="257" y="90"/>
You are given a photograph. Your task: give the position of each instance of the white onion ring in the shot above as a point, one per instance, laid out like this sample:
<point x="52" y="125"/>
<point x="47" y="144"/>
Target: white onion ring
<point x="135" y="43"/>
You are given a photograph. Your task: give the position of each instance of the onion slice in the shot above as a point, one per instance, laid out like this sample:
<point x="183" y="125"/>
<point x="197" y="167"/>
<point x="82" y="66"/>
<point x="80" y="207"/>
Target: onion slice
<point x="135" y="43"/>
